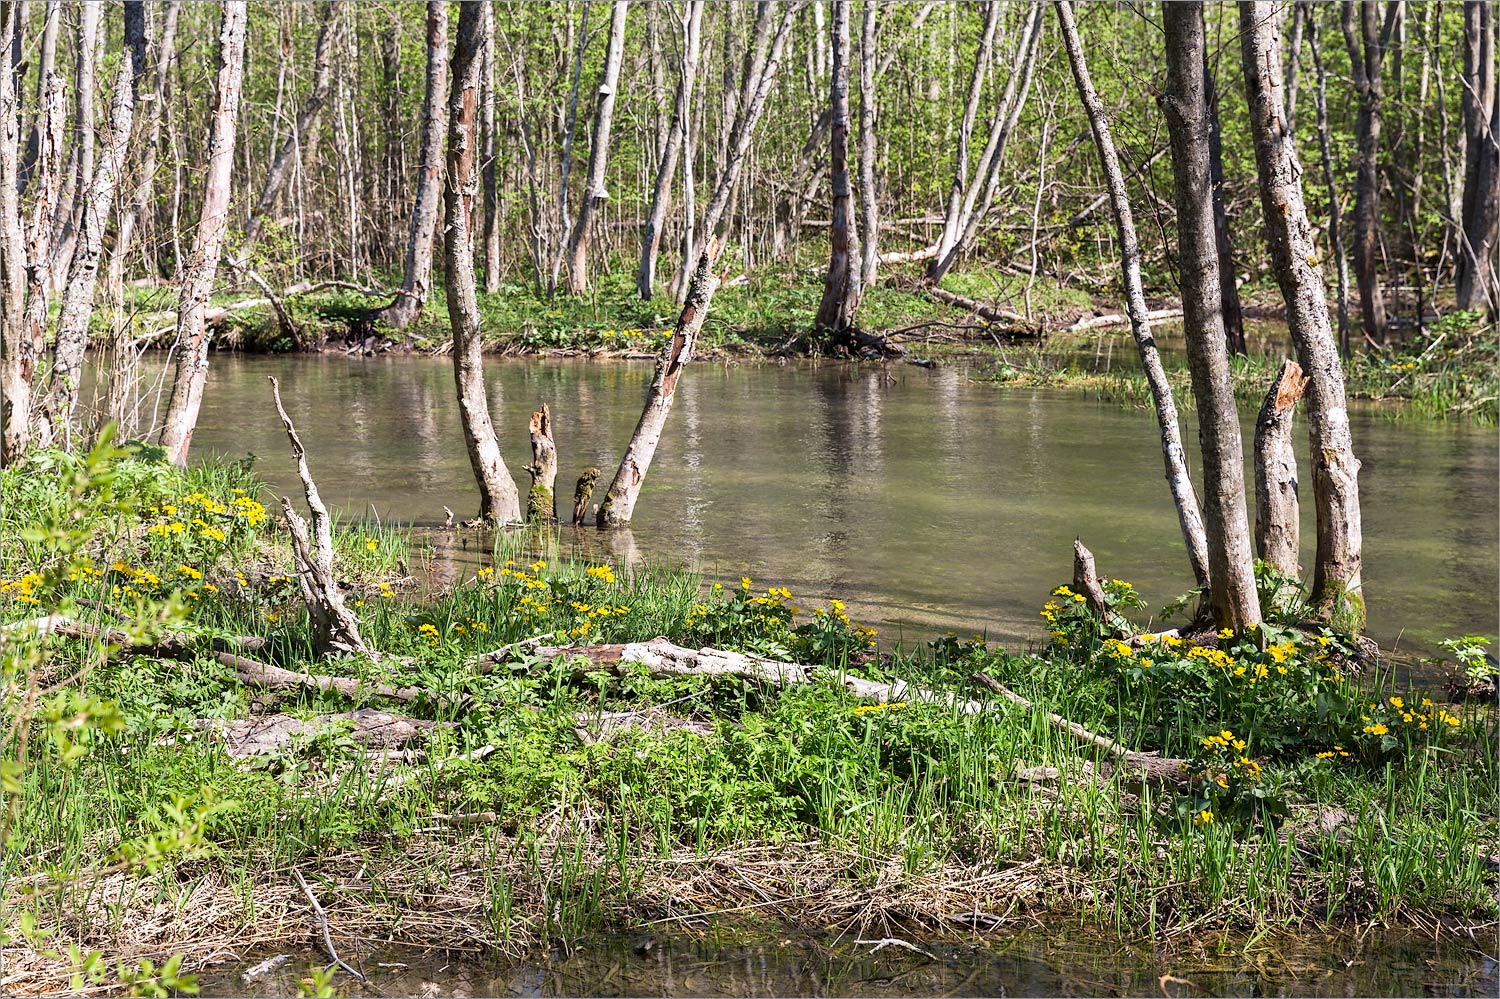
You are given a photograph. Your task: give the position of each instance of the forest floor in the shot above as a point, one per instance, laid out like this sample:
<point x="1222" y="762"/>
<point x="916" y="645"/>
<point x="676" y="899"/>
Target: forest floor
<point x="499" y="772"/>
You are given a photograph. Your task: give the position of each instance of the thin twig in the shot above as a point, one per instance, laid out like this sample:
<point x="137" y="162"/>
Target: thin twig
<point x="323" y="922"/>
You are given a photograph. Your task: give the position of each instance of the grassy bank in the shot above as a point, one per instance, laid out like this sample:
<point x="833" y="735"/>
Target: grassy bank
<point x="534" y="799"/>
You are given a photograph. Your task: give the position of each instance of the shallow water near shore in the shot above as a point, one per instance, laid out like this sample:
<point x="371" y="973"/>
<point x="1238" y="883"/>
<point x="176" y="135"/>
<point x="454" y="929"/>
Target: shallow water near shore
<point x="1077" y="963"/>
<point x="925" y="500"/>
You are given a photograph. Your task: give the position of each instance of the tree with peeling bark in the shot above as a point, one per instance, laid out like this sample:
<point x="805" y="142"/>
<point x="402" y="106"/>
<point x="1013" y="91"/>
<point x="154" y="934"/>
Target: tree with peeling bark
<point x="499" y="501"/>
<point x="416" y="277"/>
<point x="682" y="102"/>
<point x="1294" y="254"/>
<point x="191" y="371"/>
<point x="841" y="283"/>
<point x="595" y="193"/>
<point x="1178" y="480"/>
<point x="291" y="149"/>
<point x="1231" y="562"/>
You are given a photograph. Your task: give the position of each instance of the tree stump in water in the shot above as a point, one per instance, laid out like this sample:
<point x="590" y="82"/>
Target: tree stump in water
<point x="541" y="503"/>
<point x="1277" y="525"/>
<point x="581" y="494"/>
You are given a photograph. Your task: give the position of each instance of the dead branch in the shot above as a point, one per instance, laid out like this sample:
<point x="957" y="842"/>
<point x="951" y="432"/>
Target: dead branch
<point x="1118" y="319"/>
<point x="1086" y="580"/>
<point x="267" y="677"/>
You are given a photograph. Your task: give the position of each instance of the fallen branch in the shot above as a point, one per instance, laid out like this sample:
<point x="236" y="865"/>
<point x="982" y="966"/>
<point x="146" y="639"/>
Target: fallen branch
<point x="1021" y="326"/>
<point x="323" y="922"/>
<point x="1118" y="319"/>
<point x="268" y="677"/>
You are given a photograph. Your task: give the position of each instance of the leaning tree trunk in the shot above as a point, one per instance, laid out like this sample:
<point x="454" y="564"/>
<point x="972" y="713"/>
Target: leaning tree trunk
<point x="498" y="499"/>
<point x="1278" y="525"/>
<point x="1294" y="254"/>
<point x="951" y="217"/>
<point x="1367" y="43"/>
<point x="1178" y="479"/>
<point x="594" y="192"/>
<point x="692" y="41"/>
<point x="1478" y="283"/>
<point x="291" y="149"/>
<point x="81" y="163"/>
<point x="208" y="242"/>
<point x="416" y="278"/>
<point x="55" y="421"/>
<point x="1231" y="561"/>
<point x="841" y="287"/>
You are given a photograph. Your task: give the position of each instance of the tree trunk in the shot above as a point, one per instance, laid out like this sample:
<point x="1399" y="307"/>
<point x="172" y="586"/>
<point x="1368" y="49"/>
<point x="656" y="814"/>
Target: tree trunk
<point x="499" y="501"/>
<point x="1178" y="480"/>
<point x="1367" y="43"/>
<point x="581" y="494"/>
<point x="1229" y="292"/>
<point x="208" y="241"/>
<point x="46" y="66"/>
<point x="841" y="287"/>
<point x="1231" y="561"/>
<point x="81" y="165"/>
<point x="1335" y="211"/>
<point x="951" y="218"/>
<point x="1336" y="576"/>
<point x="307" y="120"/>
<point x="55" y="422"/>
<point x="869" y="204"/>
<point x="1478" y="283"/>
<point x="1278" y="523"/>
<point x="692" y="41"/>
<point x="541" y="501"/>
<point x="594" y="190"/>
<point x="416" y="279"/>
<point x="625" y="489"/>
<point x="15" y="386"/>
<point x="490" y="166"/>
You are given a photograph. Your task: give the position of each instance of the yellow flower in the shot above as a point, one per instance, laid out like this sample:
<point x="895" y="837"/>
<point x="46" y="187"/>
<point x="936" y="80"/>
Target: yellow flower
<point x="370" y="544"/>
<point x="1203" y="818"/>
<point x="1377" y="729"/>
<point x="744" y="582"/>
<point x="888" y="706"/>
<point x="1396" y="702"/>
<point x="602" y="572"/>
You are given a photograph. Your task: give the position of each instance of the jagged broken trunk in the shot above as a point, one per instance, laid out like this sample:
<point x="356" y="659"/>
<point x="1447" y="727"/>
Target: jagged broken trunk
<point x="1277" y="530"/>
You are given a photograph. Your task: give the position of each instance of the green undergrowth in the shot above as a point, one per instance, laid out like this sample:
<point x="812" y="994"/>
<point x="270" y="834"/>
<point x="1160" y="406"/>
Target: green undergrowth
<point x="110" y="764"/>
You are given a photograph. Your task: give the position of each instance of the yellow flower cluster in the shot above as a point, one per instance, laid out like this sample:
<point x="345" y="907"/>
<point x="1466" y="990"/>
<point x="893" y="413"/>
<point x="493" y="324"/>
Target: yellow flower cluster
<point x="23" y="588"/>
<point x="865" y="709"/>
<point x="605" y="573"/>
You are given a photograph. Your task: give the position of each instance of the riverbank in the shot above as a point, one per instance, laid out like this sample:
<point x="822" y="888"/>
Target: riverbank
<point x="173" y="800"/>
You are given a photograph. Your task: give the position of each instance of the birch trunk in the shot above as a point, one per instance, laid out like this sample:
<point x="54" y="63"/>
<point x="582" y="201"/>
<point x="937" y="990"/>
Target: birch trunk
<point x="692" y="41"/>
<point x="15" y="388"/>
<point x="869" y="205"/>
<point x="1231" y="561"/>
<point x="952" y="222"/>
<point x="1178" y="480"/>
<point x="1478" y="284"/>
<point x="841" y="287"/>
<point x="1294" y="254"/>
<point x="594" y="192"/>
<point x="46" y="66"/>
<point x="1229" y="292"/>
<point x="490" y="166"/>
<point x="1278" y="526"/>
<point x="81" y="165"/>
<point x="208" y="241"/>
<point x="499" y="500"/>
<point x="416" y="278"/>
<point x="307" y="120"/>
<point x="55" y="421"/>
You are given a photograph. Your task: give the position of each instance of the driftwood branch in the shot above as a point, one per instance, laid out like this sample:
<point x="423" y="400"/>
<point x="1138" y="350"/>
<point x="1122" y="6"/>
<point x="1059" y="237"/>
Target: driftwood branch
<point x="267" y="677"/>
<point x="333" y="624"/>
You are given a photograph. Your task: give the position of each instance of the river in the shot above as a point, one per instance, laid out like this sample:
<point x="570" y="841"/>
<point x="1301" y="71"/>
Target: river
<point x="926" y="500"/>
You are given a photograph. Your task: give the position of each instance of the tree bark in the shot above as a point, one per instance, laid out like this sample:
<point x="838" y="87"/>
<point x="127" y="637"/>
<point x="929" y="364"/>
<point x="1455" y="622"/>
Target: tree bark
<point x="1178" y="480"/>
<point x="841" y="286"/>
<point x="1477" y="281"/>
<point x="692" y="41"/>
<point x="1278" y="527"/>
<point x="15" y="385"/>
<point x="55" y="421"/>
<point x="1229" y="291"/>
<point x="499" y="501"/>
<point x="490" y="165"/>
<point x="208" y="241"/>
<point x="541" y="501"/>
<point x="46" y="67"/>
<point x="1336" y="576"/>
<point x="581" y="494"/>
<point x="416" y="279"/>
<point x="307" y="120"/>
<point x="1335" y="211"/>
<point x="595" y="192"/>
<point x="1231" y="565"/>
<point x="81" y="164"/>
<point x="869" y="202"/>
<point x="1366" y="42"/>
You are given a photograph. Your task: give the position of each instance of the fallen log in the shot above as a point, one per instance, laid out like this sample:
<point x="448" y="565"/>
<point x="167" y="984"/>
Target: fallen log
<point x="267" y="677"/>
<point x="1087" y="323"/>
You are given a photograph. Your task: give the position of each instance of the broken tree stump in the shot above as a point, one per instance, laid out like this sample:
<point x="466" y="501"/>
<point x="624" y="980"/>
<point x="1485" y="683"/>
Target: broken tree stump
<point x="1277" y="525"/>
<point x="334" y="626"/>
<point x="1086" y="580"/>
<point x="541" y="502"/>
<point x="581" y="494"/>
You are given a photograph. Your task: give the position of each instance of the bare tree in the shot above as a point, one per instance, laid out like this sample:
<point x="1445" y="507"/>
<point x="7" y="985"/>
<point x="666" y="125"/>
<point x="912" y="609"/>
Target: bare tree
<point x="490" y="166"/>
<point x="841" y="282"/>
<point x="692" y="43"/>
<point x="15" y="387"/>
<point x="1231" y="561"/>
<point x="1367" y="42"/>
<point x="499" y="500"/>
<point x="594" y="190"/>
<point x="1294" y="254"/>
<point x="306" y="122"/>
<point x="869" y="203"/>
<point x="1335" y="211"/>
<point x="80" y="169"/>
<point x="416" y="279"/>
<point x="208" y="241"/>
<point x="1478" y="283"/>
<point x="1229" y="292"/>
<point x="1178" y="480"/>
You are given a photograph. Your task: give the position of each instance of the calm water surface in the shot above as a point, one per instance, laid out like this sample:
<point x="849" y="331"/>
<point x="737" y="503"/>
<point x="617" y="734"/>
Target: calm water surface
<point x="927" y="501"/>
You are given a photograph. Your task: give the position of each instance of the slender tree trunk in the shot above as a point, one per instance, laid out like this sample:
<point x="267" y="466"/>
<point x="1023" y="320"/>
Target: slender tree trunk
<point x="841" y="287"/>
<point x="208" y="241"/>
<point x="1336" y="576"/>
<point x="1335" y="211"/>
<point x="1478" y="283"/>
<point x="692" y="40"/>
<point x="1278" y="526"/>
<point x="1366" y="42"/>
<point x="307" y="120"/>
<point x="1178" y="479"/>
<point x="46" y="66"/>
<point x="55" y="421"/>
<point x="565" y="172"/>
<point x="499" y="501"/>
<point x="1229" y="292"/>
<point x="869" y="203"/>
<point x="952" y="222"/>
<point x="416" y="280"/>
<point x="15" y="388"/>
<point x="594" y="190"/>
<point x="81" y="167"/>
<point x="1231" y="561"/>
<point x="490" y="166"/>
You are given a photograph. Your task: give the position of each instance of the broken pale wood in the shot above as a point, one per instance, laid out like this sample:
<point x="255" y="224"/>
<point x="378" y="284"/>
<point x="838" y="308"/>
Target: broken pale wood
<point x="485" y="664"/>
<point x="1086" y="323"/>
<point x="991" y="313"/>
<point x="1277" y="517"/>
<point x="268" y="677"/>
<point x="245" y="737"/>
<point x="604" y="726"/>
<point x="541" y="503"/>
<point x="1086" y="580"/>
<point x="333" y="624"/>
